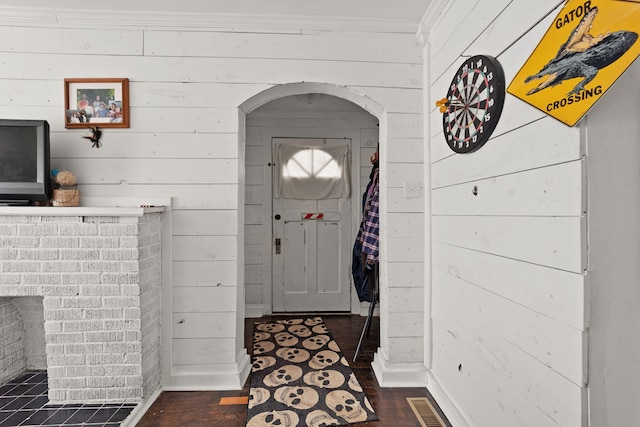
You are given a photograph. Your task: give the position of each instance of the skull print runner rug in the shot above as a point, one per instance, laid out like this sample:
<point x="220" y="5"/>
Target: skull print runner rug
<point x="300" y="378"/>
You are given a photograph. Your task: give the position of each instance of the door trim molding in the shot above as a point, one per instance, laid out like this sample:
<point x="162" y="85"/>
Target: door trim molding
<point x="267" y="206"/>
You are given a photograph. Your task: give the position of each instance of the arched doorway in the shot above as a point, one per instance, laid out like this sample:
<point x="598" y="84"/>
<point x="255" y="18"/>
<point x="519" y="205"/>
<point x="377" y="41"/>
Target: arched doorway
<point x="400" y="359"/>
<point x="299" y="229"/>
<point x="258" y="136"/>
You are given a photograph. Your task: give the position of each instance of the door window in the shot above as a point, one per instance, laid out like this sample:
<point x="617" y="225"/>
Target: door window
<point x="312" y="173"/>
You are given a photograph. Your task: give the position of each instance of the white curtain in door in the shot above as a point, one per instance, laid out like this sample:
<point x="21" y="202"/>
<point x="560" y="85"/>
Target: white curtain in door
<point x="312" y="173"/>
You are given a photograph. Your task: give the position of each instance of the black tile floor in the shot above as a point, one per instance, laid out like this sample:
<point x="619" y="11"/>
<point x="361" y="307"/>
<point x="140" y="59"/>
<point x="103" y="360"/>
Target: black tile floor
<point x="24" y="402"/>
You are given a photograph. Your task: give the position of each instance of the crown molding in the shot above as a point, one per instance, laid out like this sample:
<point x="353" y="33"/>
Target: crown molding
<point x="430" y="17"/>
<point x="85" y="18"/>
<point x="20" y="16"/>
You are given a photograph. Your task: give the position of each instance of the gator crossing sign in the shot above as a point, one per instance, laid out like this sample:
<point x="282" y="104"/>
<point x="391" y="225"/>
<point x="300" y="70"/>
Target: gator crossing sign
<point x="586" y="48"/>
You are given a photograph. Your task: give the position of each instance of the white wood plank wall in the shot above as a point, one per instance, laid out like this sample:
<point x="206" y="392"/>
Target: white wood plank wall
<point x="508" y="291"/>
<point x="185" y="90"/>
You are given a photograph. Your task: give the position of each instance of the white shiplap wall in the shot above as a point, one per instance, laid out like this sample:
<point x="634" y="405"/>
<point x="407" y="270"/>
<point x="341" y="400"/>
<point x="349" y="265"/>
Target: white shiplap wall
<point x="507" y="307"/>
<point x="613" y="165"/>
<point x="186" y="142"/>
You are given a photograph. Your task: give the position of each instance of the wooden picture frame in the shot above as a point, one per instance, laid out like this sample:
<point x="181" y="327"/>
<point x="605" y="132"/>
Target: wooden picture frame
<point x="102" y="102"/>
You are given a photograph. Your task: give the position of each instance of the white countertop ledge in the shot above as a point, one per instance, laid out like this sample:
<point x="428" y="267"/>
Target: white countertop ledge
<point x="80" y="210"/>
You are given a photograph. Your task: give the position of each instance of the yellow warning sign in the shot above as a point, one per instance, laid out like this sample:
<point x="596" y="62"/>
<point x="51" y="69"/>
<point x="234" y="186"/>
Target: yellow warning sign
<point x="588" y="46"/>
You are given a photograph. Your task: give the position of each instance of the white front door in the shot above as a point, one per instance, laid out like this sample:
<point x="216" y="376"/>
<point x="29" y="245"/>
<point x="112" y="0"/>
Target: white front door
<point x="311" y="238"/>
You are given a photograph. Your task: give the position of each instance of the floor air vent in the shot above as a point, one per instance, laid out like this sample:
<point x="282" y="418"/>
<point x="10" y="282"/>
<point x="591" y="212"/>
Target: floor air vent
<point x="424" y="411"/>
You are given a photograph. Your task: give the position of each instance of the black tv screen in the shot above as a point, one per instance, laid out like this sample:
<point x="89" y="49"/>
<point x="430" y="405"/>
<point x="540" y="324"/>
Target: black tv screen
<point x="24" y="161"/>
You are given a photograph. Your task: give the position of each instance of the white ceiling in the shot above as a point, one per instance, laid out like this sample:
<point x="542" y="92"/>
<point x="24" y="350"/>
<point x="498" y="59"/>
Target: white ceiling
<point x="403" y="10"/>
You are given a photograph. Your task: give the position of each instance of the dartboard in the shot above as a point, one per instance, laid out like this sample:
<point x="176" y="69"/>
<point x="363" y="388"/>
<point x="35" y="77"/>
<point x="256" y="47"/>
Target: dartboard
<point x="473" y="104"/>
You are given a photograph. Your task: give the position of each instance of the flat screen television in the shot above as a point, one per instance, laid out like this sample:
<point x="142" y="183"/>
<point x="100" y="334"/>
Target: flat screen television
<point x="25" y="175"/>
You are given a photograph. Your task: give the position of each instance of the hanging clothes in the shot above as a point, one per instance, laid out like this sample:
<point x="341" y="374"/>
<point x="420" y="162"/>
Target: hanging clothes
<point x="365" y="248"/>
<point x="372" y="230"/>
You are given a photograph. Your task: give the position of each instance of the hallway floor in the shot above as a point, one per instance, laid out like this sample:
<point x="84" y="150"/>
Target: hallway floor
<point x="218" y="408"/>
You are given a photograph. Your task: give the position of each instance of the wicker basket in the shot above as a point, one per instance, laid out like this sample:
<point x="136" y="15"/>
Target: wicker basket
<point x="66" y="197"/>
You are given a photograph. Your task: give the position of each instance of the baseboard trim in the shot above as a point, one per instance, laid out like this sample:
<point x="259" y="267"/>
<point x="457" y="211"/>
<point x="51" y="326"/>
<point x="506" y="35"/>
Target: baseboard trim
<point x="138" y="412"/>
<point x="398" y="374"/>
<point x="253" y="310"/>
<point x="218" y="377"/>
<point x="447" y="406"/>
<point x="364" y="309"/>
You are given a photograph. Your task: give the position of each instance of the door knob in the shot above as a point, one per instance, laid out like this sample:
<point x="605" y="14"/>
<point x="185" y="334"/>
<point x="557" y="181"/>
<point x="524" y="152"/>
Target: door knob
<point x="277" y="217"/>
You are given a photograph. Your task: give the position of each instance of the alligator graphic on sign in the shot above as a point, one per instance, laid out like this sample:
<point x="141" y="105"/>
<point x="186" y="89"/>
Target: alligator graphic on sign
<point x="583" y="55"/>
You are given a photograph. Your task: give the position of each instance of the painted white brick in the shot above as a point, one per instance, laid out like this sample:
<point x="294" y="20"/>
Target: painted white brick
<point x="80" y="279"/>
<point x="129" y="242"/>
<point x="42" y="279"/>
<point x="103" y="336"/>
<point x="100" y="290"/>
<point x="122" y="370"/>
<point x="55" y="348"/>
<point x="9" y="279"/>
<point x="63" y="314"/>
<point x="19" y="242"/>
<point x="67" y="382"/>
<point x="84" y="371"/>
<point x="21" y="290"/>
<point x="57" y="242"/>
<point x="132" y="336"/>
<point x="100" y="266"/>
<point x="66" y="338"/>
<point x="36" y="254"/>
<point x="122" y="324"/>
<point x="80" y="254"/>
<point x="52" y="302"/>
<point x="20" y="267"/>
<point x="130" y="290"/>
<point x="125" y="347"/>
<point x="65" y="359"/>
<point x="133" y="381"/>
<point x="100" y="278"/>
<point x="57" y="395"/>
<point x="119" y="254"/>
<point x="118" y="229"/>
<point x="132" y="313"/>
<point x="8" y="229"/>
<point x="58" y="219"/>
<point x="83" y="349"/>
<point x="98" y="242"/>
<point x="53" y="327"/>
<point x="84" y="325"/>
<point x="41" y="229"/>
<point x="126" y="394"/>
<point x="79" y="229"/>
<point x="120" y="302"/>
<point x="60" y="290"/>
<point x="60" y="266"/>
<point x="106" y="382"/>
<point x="130" y="266"/>
<point x="105" y="359"/>
<point x="106" y="313"/>
<point x="120" y="278"/>
<point x="81" y="302"/>
<point x="135" y="358"/>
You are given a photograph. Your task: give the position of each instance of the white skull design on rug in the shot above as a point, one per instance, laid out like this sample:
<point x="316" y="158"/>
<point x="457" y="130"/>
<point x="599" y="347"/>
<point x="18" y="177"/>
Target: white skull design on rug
<point x="301" y="379"/>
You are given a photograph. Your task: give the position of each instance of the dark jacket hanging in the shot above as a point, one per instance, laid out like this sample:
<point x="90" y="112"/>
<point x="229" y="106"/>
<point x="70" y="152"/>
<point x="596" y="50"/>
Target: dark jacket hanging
<point x="366" y="244"/>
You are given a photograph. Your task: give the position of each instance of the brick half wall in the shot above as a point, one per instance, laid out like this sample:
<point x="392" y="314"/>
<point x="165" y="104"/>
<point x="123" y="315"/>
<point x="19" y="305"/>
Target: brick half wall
<point x="100" y="279"/>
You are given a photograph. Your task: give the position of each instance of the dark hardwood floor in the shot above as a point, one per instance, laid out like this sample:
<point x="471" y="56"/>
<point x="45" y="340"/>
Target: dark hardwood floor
<point x="203" y="408"/>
